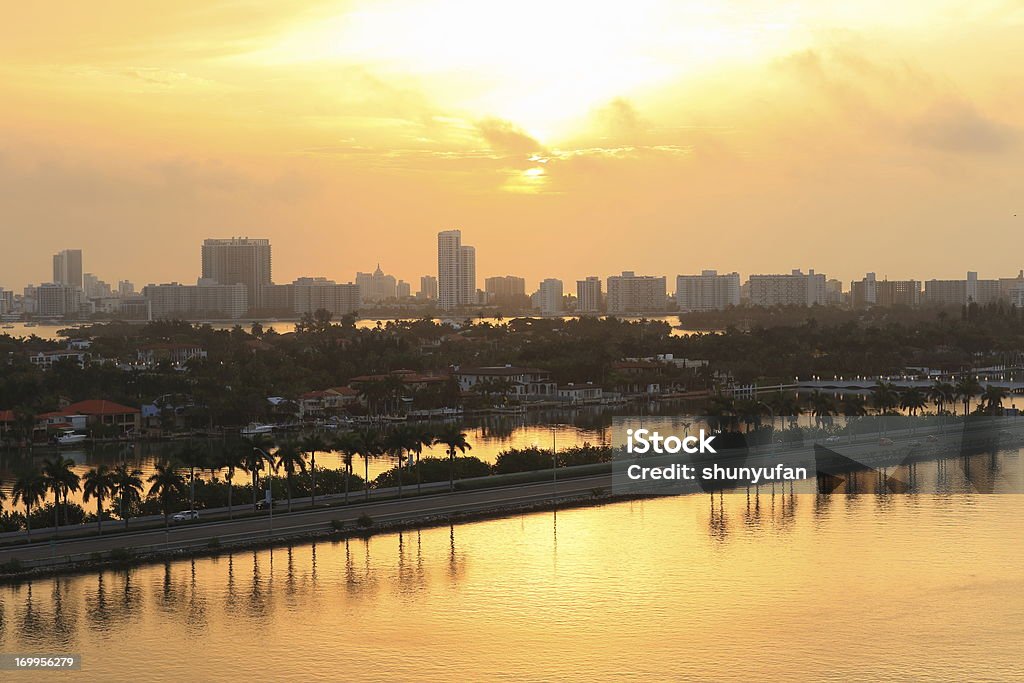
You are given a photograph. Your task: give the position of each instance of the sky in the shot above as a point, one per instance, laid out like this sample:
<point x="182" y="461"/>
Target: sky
<point x="565" y="138"/>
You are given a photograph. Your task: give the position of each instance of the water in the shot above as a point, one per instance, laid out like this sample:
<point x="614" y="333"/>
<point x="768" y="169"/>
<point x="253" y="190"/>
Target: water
<point x="798" y="587"/>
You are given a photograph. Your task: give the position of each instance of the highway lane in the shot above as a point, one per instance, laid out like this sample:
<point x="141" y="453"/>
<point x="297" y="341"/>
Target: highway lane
<point x="256" y="527"/>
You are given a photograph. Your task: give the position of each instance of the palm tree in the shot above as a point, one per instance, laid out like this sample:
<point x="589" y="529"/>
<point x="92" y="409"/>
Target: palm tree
<point x="128" y="487"/>
<point x="348" y="444"/>
<point x="311" y="444"/>
<point x="453" y="439"/>
<point x="884" y="397"/>
<point x="966" y="389"/>
<point x="992" y="399"/>
<point x="98" y="483"/>
<point x="398" y="442"/>
<point x="30" y="488"/>
<point x="194" y="457"/>
<point x="823" y="407"/>
<point x="854" y="405"/>
<point x="256" y="457"/>
<point x="721" y="412"/>
<point x="424" y="436"/>
<point x="942" y="393"/>
<point x="167" y="485"/>
<point x="371" y="445"/>
<point x="61" y="480"/>
<point x="232" y="459"/>
<point x="913" y="400"/>
<point x="292" y="460"/>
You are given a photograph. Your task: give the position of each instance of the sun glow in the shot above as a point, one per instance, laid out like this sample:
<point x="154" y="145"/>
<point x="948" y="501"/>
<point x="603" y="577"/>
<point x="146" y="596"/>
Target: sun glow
<point x="540" y="64"/>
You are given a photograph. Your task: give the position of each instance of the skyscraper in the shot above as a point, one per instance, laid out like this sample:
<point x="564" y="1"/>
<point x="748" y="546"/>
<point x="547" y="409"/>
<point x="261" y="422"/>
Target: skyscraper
<point x="506" y="290"/>
<point x="238" y="261"/>
<point x="708" y="291"/>
<point x="376" y="286"/>
<point x="428" y="287"/>
<point x="456" y="270"/>
<point x="548" y="299"/>
<point x="630" y="293"/>
<point x="588" y="295"/>
<point x="67" y="268"/>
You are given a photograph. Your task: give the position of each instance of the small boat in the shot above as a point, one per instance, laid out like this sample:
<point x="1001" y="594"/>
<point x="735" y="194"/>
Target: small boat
<point x="255" y="428"/>
<point x="69" y="437"/>
<point x="31" y="324"/>
<point x="7" y="327"/>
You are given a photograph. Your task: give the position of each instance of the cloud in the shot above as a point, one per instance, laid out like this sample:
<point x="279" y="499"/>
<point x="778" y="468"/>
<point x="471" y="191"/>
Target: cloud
<point x="957" y="126"/>
<point x="504" y="136"/>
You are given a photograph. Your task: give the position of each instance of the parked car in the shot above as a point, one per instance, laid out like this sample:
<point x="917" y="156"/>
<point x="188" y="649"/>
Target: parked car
<point x="885" y="441"/>
<point x="185" y="516"/>
<point x="262" y="504"/>
<point x="832" y="439"/>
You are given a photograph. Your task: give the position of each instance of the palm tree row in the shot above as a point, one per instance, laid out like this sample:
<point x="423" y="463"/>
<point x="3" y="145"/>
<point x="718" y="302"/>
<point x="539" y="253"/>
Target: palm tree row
<point x="167" y="484"/>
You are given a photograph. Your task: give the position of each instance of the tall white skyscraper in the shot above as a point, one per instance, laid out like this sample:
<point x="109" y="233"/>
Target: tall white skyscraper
<point x="456" y="271"/>
<point x="588" y="295"/>
<point x="548" y="299"/>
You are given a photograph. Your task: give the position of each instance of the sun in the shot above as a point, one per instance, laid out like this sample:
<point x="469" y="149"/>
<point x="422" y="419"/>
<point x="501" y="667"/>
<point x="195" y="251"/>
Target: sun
<point x="542" y="65"/>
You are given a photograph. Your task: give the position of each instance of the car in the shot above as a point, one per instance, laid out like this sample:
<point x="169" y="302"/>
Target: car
<point x="832" y="439"/>
<point x="185" y="516"/>
<point x="262" y="504"/>
<point x="885" y="441"/>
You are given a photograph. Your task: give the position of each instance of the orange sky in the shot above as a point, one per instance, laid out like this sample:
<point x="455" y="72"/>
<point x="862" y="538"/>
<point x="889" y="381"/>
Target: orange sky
<point x="564" y="138"/>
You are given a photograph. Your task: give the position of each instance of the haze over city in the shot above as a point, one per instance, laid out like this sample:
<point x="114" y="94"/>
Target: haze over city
<point x="663" y="137"/>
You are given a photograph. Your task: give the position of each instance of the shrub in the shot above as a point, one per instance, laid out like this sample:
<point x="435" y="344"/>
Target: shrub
<point x="11" y="566"/>
<point x="338" y="525"/>
<point x="213" y="543"/>
<point x="121" y="554"/>
<point x="365" y="521"/>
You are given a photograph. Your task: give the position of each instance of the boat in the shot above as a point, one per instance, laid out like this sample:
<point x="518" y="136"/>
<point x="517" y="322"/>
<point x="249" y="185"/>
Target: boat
<point x="7" y="327"/>
<point x="255" y="428"/>
<point x="31" y="324"/>
<point x="69" y="437"/>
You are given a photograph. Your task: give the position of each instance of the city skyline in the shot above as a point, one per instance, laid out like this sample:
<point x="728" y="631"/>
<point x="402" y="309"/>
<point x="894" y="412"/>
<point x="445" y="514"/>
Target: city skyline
<point x="801" y="132"/>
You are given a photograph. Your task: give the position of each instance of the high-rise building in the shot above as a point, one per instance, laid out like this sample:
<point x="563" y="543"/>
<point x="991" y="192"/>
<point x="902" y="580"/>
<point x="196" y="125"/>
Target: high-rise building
<point x="57" y="300"/>
<point x="125" y="289"/>
<point x="588" y="295"/>
<point x="507" y="291"/>
<point x="376" y="286"/>
<point x="630" y="293"/>
<point x="961" y="292"/>
<point x="870" y="291"/>
<point x="403" y="289"/>
<point x="239" y="260"/>
<point x="6" y="301"/>
<point x="428" y="287"/>
<point x="795" y="289"/>
<point x="548" y="299"/>
<point x="708" y="291"/>
<point x="94" y="287"/>
<point x="456" y="271"/>
<point x="310" y="294"/>
<point x="67" y="268"/>
<point x="206" y="299"/>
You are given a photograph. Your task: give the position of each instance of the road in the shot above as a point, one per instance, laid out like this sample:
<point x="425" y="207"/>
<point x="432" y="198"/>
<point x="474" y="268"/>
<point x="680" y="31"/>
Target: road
<point x="411" y="509"/>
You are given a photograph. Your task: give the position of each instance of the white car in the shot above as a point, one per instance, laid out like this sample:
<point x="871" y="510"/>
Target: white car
<point x="185" y="516"/>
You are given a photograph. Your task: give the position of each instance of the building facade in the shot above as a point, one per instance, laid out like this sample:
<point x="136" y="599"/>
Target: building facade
<point x="239" y="260"/>
<point x="456" y="271"/>
<point x="428" y="288"/>
<point x="870" y="291"/>
<point x="207" y="299"/>
<point x="708" y="291"/>
<point x="376" y="286"/>
<point x="67" y="268"/>
<point x="506" y="290"/>
<point x="588" y="295"/>
<point x="548" y="299"/>
<point x="630" y="293"/>
<point x="795" y="289"/>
